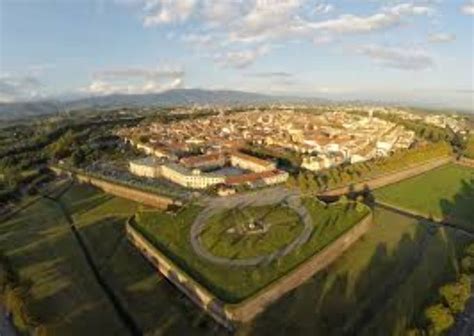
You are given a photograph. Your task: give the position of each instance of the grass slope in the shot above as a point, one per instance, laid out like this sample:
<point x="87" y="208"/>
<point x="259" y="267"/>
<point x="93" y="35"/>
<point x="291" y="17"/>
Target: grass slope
<point x="442" y="192"/>
<point x="233" y="284"/>
<point x="376" y="288"/>
<point x="151" y="301"/>
<point x="65" y="294"/>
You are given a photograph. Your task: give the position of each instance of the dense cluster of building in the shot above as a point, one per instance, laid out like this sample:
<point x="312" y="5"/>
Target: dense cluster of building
<point x="322" y="140"/>
<point x="203" y="171"/>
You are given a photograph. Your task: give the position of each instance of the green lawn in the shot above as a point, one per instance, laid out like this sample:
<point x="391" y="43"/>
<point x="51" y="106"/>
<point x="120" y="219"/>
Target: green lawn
<point x="65" y="293"/>
<point x="150" y="299"/>
<point x="284" y="226"/>
<point x="378" y="287"/>
<point x="171" y="235"/>
<point x="447" y="191"/>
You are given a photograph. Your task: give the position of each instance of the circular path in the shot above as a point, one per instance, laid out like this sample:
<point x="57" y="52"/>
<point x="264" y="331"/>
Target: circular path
<point x="293" y="203"/>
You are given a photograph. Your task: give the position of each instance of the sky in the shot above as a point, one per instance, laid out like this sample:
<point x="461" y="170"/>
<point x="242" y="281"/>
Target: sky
<point x="387" y="50"/>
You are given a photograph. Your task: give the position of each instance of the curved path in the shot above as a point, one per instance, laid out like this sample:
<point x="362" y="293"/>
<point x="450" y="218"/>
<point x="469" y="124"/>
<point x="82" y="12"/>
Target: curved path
<point x="293" y="203"/>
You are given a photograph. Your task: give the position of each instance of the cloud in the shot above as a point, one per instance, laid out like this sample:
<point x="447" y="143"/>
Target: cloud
<point x="388" y="17"/>
<point x="16" y="88"/>
<point x="275" y="74"/>
<point x="323" y="8"/>
<point x="135" y="81"/>
<point x="240" y="58"/>
<point x="220" y="12"/>
<point x="148" y="74"/>
<point x="441" y="37"/>
<point x="167" y="11"/>
<point x="468" y="8"/>
<point x="398" y="58"/>
<point x="235" y="28"/>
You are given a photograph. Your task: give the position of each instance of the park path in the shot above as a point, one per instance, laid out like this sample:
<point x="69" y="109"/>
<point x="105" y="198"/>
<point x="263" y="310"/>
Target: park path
<point x="259" y="198"/>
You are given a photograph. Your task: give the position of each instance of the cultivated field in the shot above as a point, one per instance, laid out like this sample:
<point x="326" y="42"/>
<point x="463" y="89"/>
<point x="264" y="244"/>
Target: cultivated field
<point x="171" y="234"/>
<point x="445" y="192"/>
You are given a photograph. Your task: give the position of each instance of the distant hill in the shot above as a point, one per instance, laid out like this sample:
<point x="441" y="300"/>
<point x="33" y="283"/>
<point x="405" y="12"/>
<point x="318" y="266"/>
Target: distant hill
<point x="177" y="97"/>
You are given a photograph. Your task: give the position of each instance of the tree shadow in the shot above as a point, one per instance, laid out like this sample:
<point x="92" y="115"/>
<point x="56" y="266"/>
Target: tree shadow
<point x="377" y="295"/>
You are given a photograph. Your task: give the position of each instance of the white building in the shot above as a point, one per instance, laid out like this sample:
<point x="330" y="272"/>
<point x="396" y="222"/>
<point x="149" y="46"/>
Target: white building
<point x="147" y="167"/>
<point x="194" y="179"/>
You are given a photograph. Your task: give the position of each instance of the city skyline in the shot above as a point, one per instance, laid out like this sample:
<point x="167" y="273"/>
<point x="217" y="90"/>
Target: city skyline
<point x="407" y="51"/>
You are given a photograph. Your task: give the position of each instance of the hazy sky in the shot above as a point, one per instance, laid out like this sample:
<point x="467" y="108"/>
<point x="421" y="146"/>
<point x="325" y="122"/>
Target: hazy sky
<point x="389" y="50"/>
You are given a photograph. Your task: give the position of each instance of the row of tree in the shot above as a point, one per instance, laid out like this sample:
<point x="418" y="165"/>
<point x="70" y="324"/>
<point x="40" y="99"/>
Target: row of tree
<point x="343" y="175"/>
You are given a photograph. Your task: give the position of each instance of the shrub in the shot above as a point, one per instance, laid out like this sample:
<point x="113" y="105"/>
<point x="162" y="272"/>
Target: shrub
<point x="457" y="293"/>
<point x="440" y="319"/>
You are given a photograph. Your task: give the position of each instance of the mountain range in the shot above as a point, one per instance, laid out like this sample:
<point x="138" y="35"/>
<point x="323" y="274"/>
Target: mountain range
<point x="176" y="97"/>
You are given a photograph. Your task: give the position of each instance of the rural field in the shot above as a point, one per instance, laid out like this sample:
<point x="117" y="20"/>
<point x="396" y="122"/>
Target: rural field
<point x="445" y="192"/>
<point x="65" y="295"/>
<point x="232" y="284"/>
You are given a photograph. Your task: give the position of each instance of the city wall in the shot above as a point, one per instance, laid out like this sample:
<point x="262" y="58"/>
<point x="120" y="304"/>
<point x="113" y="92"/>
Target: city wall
<point x="230" y="315"/>
<point x="116" y="189"/>
<point x="389" y="178"/>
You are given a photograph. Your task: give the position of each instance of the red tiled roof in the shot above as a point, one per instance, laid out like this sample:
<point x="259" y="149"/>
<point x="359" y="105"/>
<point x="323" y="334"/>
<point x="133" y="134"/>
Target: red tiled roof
<point x="251" y="177"/>
<point x="195" y="160"/>
<point x="251" y="158"/>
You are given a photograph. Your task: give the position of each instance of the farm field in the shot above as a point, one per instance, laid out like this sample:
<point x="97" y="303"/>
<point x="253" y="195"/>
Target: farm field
<point x="170" y="233"/>
<point x="66" y="296"/>
<point x="378" y="287"/>
<point x="445" y="192"/>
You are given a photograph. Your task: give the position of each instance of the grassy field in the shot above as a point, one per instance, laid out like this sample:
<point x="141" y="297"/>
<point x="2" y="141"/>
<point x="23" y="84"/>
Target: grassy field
<point x="376" y="288"/>
<point x="65" y="294"/>
<point x="447" y="191"/>
<point x="283" y="227"/>
<point x="171" y="235"/>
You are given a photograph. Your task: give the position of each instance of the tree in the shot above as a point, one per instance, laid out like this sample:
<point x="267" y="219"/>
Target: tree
<point x="78" y="157"/>
<point x="469" y="250"/>
<point x="467" y="264"/>
<point x="440" y="319"/>
<point x="12" y="176"/>
<point x="457" y="293"/>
